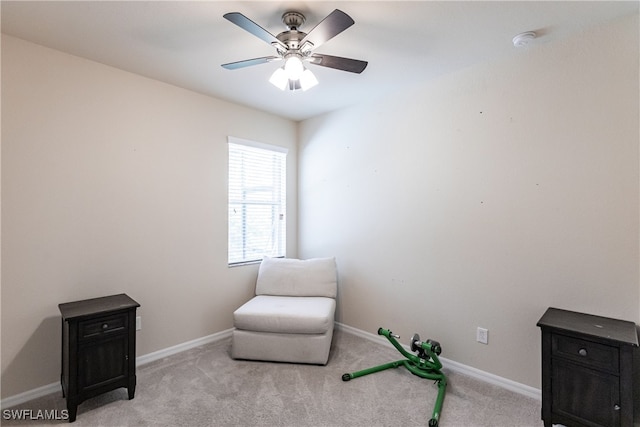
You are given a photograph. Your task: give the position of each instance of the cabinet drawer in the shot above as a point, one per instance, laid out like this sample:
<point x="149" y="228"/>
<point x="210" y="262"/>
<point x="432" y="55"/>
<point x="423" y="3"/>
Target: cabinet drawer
<point x="103" y="325"/>
<point x="588" y="353"/>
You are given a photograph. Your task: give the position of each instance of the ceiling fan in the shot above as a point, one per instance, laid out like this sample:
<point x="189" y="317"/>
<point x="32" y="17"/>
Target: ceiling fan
<point x="295" y="47"/>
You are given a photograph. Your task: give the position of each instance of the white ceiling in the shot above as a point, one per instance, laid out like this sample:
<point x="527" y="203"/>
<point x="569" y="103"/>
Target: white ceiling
<point x="184" y="42"/>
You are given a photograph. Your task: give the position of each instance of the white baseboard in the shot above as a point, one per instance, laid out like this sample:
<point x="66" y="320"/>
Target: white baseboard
<point x="169" y="351"/>
<point x="35" y="393"/>
<point x="30" y="395"/>
<point x="456" y="366"/>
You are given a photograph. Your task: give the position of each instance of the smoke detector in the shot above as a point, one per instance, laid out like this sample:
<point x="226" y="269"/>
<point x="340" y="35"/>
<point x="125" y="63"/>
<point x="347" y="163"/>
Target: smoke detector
<point x="524" y="39"/>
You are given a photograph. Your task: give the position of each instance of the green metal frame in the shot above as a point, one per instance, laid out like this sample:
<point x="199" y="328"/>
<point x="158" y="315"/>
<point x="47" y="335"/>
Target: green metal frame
<point x="426" y="365"/>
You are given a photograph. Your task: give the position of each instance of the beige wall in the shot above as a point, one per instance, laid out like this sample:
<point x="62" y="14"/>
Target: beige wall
<point x="483" y="198"/>
<point x="112" y="183"/>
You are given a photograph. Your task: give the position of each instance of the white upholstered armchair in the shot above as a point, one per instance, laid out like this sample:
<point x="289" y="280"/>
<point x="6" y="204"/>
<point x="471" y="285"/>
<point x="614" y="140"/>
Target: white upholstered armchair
<point x="291" y="318"/>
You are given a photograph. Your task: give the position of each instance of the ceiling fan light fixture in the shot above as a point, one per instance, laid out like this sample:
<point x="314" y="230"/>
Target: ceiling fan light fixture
<point x="279" y="79"/>
<point x="293" y="67"/>
<point x="307" y="80"/>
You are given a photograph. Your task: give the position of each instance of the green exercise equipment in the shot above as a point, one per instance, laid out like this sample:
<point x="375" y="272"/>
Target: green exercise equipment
<point x="426" y="365"/>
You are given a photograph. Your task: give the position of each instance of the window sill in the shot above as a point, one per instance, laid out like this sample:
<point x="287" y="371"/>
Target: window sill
<point x="240" y="264"/>
<point x="257" y="261"/>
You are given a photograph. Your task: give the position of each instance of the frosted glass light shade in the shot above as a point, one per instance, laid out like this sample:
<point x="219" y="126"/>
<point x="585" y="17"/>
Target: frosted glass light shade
<point x="307" y="80"/>
<point x="279" y="79"/>
<point x="293" y="67"/>
<point x="282" y="81"/>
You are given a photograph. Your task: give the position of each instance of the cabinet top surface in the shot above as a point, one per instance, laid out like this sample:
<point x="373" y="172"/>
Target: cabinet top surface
<point x="75" y="309"/>
<point x="600" y="327"/>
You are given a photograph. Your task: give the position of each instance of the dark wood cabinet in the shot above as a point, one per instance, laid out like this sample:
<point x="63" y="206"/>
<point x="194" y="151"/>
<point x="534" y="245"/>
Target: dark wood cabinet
<point x="98" y="348"/>
<point x="589" y="370"/>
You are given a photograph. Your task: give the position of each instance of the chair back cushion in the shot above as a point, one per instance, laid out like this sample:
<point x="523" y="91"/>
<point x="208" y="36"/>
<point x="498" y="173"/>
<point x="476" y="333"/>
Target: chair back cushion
<point x="315" y="277"/>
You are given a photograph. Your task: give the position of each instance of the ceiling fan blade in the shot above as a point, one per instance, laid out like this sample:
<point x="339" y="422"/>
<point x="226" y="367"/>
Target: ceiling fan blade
<point x="248" y="25"/>
<point x="250" y="62"/>
<point x="344" y="64"/>
<point x="335" y="23"/>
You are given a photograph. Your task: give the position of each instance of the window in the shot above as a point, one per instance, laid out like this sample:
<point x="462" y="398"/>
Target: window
<point x="257" y="201"/>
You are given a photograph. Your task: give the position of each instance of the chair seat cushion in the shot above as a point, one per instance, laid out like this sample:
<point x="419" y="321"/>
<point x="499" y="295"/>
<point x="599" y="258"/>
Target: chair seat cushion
<point x="279" y="314"/>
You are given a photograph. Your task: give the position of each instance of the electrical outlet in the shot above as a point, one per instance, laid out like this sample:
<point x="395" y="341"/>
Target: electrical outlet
<point x="138" y="323"/>
<point x="482" y="335"/>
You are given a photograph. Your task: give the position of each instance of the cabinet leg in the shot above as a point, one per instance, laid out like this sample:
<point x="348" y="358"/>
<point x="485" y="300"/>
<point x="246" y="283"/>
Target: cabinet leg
<point x="72" y="408"/>
<point x="132" y="387"/>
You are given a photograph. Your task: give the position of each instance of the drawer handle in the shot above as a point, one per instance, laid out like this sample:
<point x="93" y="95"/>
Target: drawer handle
<point x="105" y="325"/>
<point x="616" y="407"/>
<point x="582" y="352"/>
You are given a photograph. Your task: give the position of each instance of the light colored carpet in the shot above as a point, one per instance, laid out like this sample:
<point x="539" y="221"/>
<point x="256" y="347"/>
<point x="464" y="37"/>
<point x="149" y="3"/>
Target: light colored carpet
<point x="205" y="387"/>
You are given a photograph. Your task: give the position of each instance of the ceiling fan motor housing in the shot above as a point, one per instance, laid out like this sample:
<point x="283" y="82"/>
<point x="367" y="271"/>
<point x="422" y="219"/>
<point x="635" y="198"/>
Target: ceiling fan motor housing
<point x="293" y="20"/>
<point x="292" y="37"/>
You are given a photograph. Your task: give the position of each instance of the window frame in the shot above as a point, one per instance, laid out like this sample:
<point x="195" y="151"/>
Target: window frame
<point x="278" y="221"/>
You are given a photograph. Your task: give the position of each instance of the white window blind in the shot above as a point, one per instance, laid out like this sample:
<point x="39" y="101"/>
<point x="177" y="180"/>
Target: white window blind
<point x="257" y="201"/>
